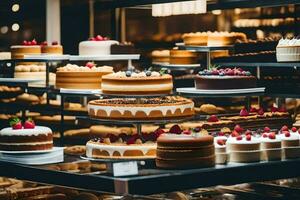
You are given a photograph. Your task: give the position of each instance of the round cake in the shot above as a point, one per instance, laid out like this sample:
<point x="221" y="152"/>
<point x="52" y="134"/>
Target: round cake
<point x="96" y="46"/>
<point x="145" y="109"/>
<point x="270" y="146"/>
<point x="25" y="137"/>
<point x="27" y="48"/>
<point x="54" y="48"/>
<point x="76" y="77"/>
<point x="288" y="50"/>
<point x="218" y="79"/>
<point x="185" y="151"/>
<point x="183" y="57"/>
<point x="131" y="83"/>
<point x="199" y="38"/>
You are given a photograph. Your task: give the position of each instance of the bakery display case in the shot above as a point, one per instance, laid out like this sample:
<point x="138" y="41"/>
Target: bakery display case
<point x="213" y="115"/>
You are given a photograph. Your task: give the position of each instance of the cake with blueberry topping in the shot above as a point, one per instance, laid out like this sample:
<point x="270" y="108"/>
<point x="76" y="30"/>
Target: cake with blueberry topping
<point x="96" y="46"/>
<point x="137" y="83"/>
<point x="218" y="79"/>
<point x="81" y="77"/>
<point x="145" y="109"/>
<point x="25" y="137"/>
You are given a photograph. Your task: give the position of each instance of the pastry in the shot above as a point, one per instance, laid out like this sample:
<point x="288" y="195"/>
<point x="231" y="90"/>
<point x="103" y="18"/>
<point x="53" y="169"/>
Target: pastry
<point x="220" y="149"/>
<point x="76" y="77"/>
<point x="270" y="146"/>
<point x="149" y="82"/>
<point x="146" y="109"/>
<point x="123" y="48"/>
<point x="25" y="137"/>
<point x="218" y="79"/>
<point x="27" y="48"/>
<point x="96" y="46"/>
<point x="183" y="57"/>
<point x="288" y="50"/>
<point x="160" y="56"/>
<point x="290" y="144"/>
<point x="75" y="150"/>
<point x="185" y="151"/>
<point x="54" y="48"/>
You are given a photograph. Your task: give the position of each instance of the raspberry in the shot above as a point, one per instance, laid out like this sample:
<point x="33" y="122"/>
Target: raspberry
<point x="248" y="137"/>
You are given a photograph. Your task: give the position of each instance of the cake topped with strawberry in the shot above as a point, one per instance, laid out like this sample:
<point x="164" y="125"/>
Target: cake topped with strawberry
<point x="30" y="47"/>
<point x="51" y="48"/>
<point x="229" y="78"/>
<point x="25" y="136"/>
<point x="96" y="46"/>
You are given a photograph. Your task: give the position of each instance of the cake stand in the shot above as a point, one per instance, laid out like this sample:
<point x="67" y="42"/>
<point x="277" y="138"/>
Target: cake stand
<point x="177" y="67"/>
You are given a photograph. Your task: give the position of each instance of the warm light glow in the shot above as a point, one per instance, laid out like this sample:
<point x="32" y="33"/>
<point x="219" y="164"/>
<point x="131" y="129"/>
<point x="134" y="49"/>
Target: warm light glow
<point x="4" y="29"/>
<point x="15" y="27"/>
<point x="216" y="12"/>
<point x="15" y="7"/>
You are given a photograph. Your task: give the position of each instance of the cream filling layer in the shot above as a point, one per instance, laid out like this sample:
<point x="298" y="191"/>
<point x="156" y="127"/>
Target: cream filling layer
<point x="124" y="87"/>
<point x="146" y="110"/>
<point x="114" y="148"/>
<point x="26" y="144"/>
<point x="38" y="130"/>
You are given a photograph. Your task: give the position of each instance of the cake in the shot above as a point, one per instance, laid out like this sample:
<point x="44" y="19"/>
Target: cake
<point x="33" y="71"/>
<point x="140" y="83"/>
<point x="96" y="46"/>
<point x="270" y="146"/>
<point x="288" y="50"/>
<point x="145" y="109"/>
<point x="218" y="79"/>
<point x="81" y="77"/>
<point x="123" y="48"/>
<point x="213" y="38"/>
<point x="54" y="48"/>
<point x="160" y="56"/>
<point x="220" y="148"/>
<point x="243" y="148"/>
<point x="183" y="57"/>
<point x="25" y="137"/>
<point x="27" y="48"/>
<point x="290" y="144"/>
<point x="185" y="151"/>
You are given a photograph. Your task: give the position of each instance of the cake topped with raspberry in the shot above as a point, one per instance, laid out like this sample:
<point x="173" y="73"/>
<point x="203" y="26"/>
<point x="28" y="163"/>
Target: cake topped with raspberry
<point x="96" y="46"/>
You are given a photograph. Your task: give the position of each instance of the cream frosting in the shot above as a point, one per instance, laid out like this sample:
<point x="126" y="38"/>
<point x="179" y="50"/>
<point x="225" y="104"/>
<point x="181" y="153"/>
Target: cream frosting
<point x="117" y="148"/>
<point x="76" y="68"/>
<point x="288" y="42"/>
<point x="38" y="130"/>
<point x="96" y="47"/>
<point x="220" y="138"/>
<point x="122" y="74"/>
<point x="291" y="137"/>
<point x="148" y="87"/>
<point x="27" y="143"/>
<point x="30" y="68"/>
<point x="233" y="140"/>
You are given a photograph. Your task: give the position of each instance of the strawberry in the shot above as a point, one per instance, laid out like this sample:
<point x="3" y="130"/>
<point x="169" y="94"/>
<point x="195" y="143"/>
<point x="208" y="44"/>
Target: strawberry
<point x="284" y="128"/>
<point x="16" y="123"/>
<point x="24" y="42"/>
<point x="239" y="137"/>
<point x="90" y="64"/>
<point x="260" y="111"/>
<point x="282" y="109"/>
<point x="45" y="43"/>
<point x="274" y="109"/>
<point x="187" y="132"/>
<point x="265" y="135"/>
<point x="267" y="129"/>
<point x="244" y="112"/>
<point x="253" y="110"/>
<point x="221" y="134"/>
<point x="272" y="136"/>
<point x="220" y="142"/>
<point x="54" y="43"/>
<point x="238" y="128"/>
<point x="213" y="118"/>
<point x="234" y="133"/>
<point x="175" y="129"/>
<point x="99" y="38"/>
<point x="33" y="42"/>
<point x="29" y="43"/>
<point x="131" y="140"/>
<point x="294" y="129"/>
<point x="248" y="132"/>
<point x="29" y="124"/>
<point x="287" y="134"/>
<point x="248" y="137"/>
<point x="92" y="39"/>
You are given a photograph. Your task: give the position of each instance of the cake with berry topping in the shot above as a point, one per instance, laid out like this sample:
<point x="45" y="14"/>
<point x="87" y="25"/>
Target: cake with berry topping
<point x="27" y="48"/>
<point x="137" y="83"/>
<point x="290" y="143"/>
<point x="53" y="48"/>
<point x="81" y="77"/>
<point x="25" y="137"/>
<point x="185" y="151"/>
<point x="218" y="79"/>
<point x="96" y="46"/>
<point x="145" y="109"/>
<point x="270" y="146"/>
<point x="243" y="148"/>
<point x="220" y="148"/>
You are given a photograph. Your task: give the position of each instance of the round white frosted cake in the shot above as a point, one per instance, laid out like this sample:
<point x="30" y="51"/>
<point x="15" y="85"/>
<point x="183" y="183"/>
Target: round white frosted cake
<point x="26" y="139"/>
<point x="95" y="48"/>
<point x="288" y="50"/>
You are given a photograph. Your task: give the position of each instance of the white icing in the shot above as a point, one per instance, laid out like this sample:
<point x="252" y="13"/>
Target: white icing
<point x="146" y="109"/>
<point x="117" y="148"/>
<point x="38" y="130"/>
<point x="76" y="68"/>
<point x="148" y="87"/>
<point x="220" y="138"/>
<point x="122" y="74"/>
<point x="267" y="139"/>
<point x="25" y="46"/>
<point x="233" y="140"/>
<point x="26" y="143"/>
<point x="96" y="47"/>
<point x="291" y="137"/>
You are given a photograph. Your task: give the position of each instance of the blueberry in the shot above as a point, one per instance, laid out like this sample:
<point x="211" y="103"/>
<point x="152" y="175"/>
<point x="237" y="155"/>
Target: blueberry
<point x="128" y="73"/>
<point x="148" y="73"/>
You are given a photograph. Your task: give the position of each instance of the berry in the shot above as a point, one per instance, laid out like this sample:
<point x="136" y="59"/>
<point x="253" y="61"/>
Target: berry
<point x="294" y="129"/>
<point x="158" y="132"/>
<point x="24" y="42"/>
<point x="92" y="39"/>
<point x="131" y="140"/>
<point x="89" y="64"/>
<point x="54" y="43"/>
<point x="187" y="132"/>
<point x="45" y="43"/>
<point x="239" y="137"/>
<point x="248" y="137"/>
<point x="267" y="129"/>
<point x="215" y="72"/>
<point x="265" y="135"/>
<point x="234" y="134"/>
<point x="15" y="123"/>
<point x="124" y="136"/>
<point x="272" y="136"/>
<point x="253" y="110"/>
<point x="221" y="134"/>
<point x="29" y="124"/>
<point x="274" y="109"/>
<point x="248" y="132"/>
<point x="230" y="72"/>
<point x="112" y="137"/>
<point x="33" y="42"/>
<point x="282" y="109"/>
<point x="29" y="43"/>
<point x="220" y="142"/>
<point x="260" y="111"/>
<point x="287" y="134"/>
<point x="244" y="112"/>
<point x="128" y="73"/>
<point x="299" y="130"/>
<point x="213" y="118"/>
<point x="175" y="129"/>
<point x="148" y="73"/>
<point x="197" y="129"/>
<point x="284" y="128"/>
<point x="99" y="38"/>
<point x="238" y="128"/>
